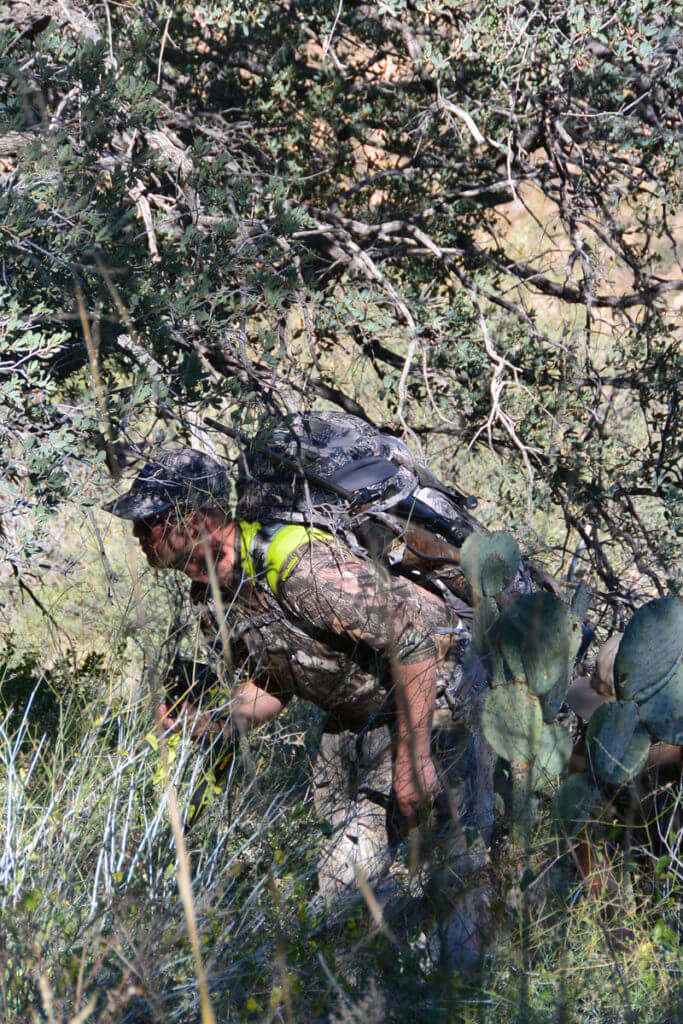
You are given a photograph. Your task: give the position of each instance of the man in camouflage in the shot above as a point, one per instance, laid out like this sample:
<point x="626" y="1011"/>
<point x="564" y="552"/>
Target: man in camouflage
<point x="375" y="651"/>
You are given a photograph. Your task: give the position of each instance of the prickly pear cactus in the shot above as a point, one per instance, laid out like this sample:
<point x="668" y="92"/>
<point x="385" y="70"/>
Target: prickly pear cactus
<point x="490" y="563"/>
<point x="528" y="650"/>
<point x="650" y="650"/>
<point x="574" y="803"/>
<point x="552" y="701"/>
<point x="483" y="639"/>
<point x="662" y="714"/>
<point x="648" y="667"/>
<point x="513" y="723"/>
<point x="581" y="600"/>
<point x="617" y="742"/>
<point x="552" y="756"/>
<point x="538" y="636"/>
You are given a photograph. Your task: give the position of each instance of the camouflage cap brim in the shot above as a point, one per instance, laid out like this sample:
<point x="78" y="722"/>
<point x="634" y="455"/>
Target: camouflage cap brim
<point x="138" y="505"/>
<point x="182" y="479"/>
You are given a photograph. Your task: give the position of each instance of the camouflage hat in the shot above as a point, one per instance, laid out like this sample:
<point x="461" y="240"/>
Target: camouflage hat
<point x="183" y="478"/>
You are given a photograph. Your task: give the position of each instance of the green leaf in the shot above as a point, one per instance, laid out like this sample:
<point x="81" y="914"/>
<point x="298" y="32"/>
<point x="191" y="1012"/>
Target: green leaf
<point x="31" y="900"/>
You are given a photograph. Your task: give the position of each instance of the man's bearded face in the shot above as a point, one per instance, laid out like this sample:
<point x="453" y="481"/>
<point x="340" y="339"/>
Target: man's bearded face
<point x="166" y="541"/>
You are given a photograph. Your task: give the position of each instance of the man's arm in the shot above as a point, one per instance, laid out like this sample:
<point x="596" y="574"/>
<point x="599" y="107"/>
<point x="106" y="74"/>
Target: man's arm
<point x="414" y="775"/>
<point x="250" y="706"/>
<point x="352" y="597"/>
<point x="253" y="705"/>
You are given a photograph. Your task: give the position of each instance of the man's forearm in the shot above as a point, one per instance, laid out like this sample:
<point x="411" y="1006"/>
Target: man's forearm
<point x="415" y="695"/>
<point x="414" y="775"/>
<point x="252" y="705"/>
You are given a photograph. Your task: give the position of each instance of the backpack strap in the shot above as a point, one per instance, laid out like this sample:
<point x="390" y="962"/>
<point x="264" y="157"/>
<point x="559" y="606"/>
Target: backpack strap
<point x="271" y="551"/>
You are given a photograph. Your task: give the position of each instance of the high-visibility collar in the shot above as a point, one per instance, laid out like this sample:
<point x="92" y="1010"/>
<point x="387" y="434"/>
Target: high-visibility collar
<point x="271" y="550"/>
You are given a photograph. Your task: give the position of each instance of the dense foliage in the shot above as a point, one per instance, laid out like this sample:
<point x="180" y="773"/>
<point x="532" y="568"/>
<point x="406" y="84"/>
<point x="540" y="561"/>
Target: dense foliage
<point x="457" y="219"/>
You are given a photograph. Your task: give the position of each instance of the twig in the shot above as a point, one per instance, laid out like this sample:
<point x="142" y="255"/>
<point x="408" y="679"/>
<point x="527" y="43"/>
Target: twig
<point x="92" y="356"/>
<point x="164" y="37"/>
<point x="332" y="30"/>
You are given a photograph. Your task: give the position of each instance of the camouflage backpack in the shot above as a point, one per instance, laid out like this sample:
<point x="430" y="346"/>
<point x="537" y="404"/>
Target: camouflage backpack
<point x="365" y="473"/>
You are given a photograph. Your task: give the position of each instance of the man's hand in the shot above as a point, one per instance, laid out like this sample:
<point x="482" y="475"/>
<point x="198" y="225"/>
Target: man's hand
<point x="200" y="724"/>
<point x="415" y="779"/>
<point x="251" y="705"/>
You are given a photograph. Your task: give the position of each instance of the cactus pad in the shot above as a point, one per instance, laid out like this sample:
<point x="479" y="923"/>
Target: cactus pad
<point x="483" y="641"/>
<point x="617" y="742"/>
<point x="662" y="714"/>
<point x="552" y="701"/>
<point x="574" y="803"/>
<point x="489" y="563"/>
<point x="538" y="636"/>
<point x="650" y="650"/>
<point x="552" y="756"/>
<point x="513" y="723"/>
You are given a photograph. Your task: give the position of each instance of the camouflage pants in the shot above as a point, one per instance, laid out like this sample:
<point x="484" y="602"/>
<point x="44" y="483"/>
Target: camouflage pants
<point x="352" y="780"/>
<point x="353" y="794"/>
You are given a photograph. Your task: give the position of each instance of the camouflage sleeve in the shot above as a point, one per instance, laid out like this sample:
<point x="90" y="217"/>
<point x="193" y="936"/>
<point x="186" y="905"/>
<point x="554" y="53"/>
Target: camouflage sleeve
<point x="329" y="588"/>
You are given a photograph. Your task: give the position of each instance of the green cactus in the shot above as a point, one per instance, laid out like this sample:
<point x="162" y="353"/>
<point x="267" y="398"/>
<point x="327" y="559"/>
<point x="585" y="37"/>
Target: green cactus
<point x="483" y="639"/>
<point x="650" y="650"/>
<point x="552" y="701"/>
<point x="485" y="615"/>
<point x="513" y="723"/>
<point x="662" y="713"/>
<point x="552" y="756"/>
<point x="648" y="667"/>
<point x="490" y="563"/>
<point x="617" y="743"/>
<point x="574" y="803"/>
<point x="538" y="636"/>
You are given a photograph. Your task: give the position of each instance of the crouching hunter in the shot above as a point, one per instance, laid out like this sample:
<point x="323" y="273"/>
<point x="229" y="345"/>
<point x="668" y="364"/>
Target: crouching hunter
<point x="380" y="655"/>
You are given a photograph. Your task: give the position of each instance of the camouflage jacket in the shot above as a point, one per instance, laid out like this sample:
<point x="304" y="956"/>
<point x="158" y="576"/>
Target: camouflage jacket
<point x="330" y="637"/>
